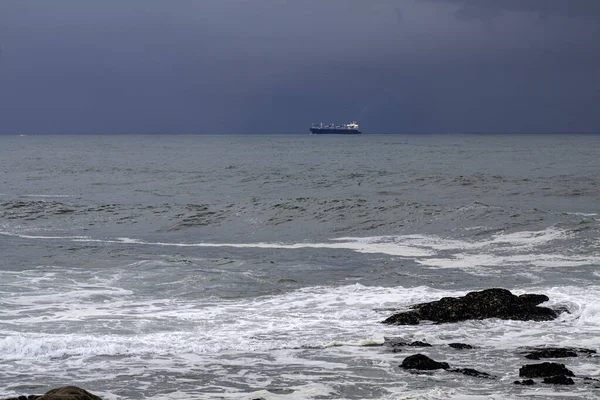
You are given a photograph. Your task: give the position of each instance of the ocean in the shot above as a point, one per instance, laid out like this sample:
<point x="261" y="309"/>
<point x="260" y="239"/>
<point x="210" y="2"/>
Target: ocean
<point x="244" y="267"/>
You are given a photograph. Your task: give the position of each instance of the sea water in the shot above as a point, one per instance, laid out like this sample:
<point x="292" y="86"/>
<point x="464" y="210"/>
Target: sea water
<point x="241" y="267"/>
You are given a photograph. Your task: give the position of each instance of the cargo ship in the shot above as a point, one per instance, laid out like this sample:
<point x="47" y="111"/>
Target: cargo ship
<point x="343" y="129"/>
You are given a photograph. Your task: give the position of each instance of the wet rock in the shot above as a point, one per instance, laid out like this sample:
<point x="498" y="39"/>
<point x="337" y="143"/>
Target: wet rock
<point x="527" y="382"/>
<point x="418" y="343"/>
<point x="396" y="343"/>
<point x="63" y="393"/>
<point x="559" y="380"/>
<point x="461" y="346"/>
<point x="534" y="299"/>
<point x="68" y="393"/>
<point x="405" y="318"/>
<point x="422" y="362"/>
<point x="551" y="353"/>
<point x="546" y="369"/>
<point x="489" y="303"/>
<point x="472" y="372"/>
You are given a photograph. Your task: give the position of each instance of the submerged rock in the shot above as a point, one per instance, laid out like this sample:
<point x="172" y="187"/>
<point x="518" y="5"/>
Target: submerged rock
<point x="535" y="353"/>
<point x="422" y="362"/>
<point x="551" y="353"/>
<point x="559" y="380"/>
<point x="489" y="303"/>
<point x="526" y="382"/>
<point x="472" y="372"/>
<point x="461" y="346"/>
<point x="542" y="370"/>
<point x="397" y="343"/>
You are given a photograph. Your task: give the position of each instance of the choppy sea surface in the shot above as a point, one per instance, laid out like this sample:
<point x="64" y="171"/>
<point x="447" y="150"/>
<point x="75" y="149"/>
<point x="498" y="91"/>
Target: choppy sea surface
<point x="241" y="267"/>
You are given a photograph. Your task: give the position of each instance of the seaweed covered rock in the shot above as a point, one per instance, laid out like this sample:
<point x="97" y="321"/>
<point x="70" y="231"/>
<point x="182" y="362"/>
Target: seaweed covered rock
<point x="422" y="362"/>
<point x="489" y="303"/>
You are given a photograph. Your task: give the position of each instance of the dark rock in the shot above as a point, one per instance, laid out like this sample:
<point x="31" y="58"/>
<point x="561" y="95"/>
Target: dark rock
<point x="63" y="393"/>
<point x="559" y="380"/>
<point x="489" y="303"/>
<point x="418" y="343"/>
<point x="461" y="346"/>
<point x="527" y="382"/>
<point x="396" y="343"/>
<point x="534" y="299"/>
<point x="68" y="393"/>
<point x="422" y="362"/>
<point x="472" y="372"/>
<point x="404" y="318"/>
<point x="551" y="353"/>
<point x="546" y="369"/>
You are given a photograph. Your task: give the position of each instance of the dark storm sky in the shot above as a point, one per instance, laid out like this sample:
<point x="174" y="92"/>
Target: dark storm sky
<point x="275" y="66"/>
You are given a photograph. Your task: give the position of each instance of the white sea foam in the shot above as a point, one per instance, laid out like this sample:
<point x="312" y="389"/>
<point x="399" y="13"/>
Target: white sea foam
<point x="503" y="249"/>
<point x="316" y="329"/>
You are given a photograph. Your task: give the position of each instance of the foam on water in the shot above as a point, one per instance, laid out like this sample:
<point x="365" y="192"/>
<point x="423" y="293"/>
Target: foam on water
<point x="502" y="249"/>
<point x="302" y="318"/>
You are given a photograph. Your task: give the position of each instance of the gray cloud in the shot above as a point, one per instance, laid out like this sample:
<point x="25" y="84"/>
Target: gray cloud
<point x="276" y="66"/>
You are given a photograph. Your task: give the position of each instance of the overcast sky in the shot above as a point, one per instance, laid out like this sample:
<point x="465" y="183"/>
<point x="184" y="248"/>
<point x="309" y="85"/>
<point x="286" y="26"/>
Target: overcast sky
<point x="276" y="66"/>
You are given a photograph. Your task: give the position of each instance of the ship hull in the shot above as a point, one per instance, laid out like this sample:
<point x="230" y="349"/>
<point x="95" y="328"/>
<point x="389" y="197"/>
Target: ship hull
<point x="333" y="131"/>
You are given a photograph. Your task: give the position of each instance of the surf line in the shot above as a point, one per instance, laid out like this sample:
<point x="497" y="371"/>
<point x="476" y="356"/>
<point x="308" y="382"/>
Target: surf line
<point x="360" y="245"/>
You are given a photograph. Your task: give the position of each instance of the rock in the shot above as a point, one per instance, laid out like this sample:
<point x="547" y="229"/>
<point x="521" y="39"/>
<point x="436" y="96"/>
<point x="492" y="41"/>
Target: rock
<point x="68" y="393"/>
<point x="418" y="343"/>
<point x="534" y="299"/>
<point x="527" y="382"/>
<point x="559" y="380"/>
<point x="472" y="372"/>
<point x="551" y="353"/>
<point x="396" y="343"/>
<point x="461" y="346"/>
<point x="63" y="393"/>
<point x="405" y="318"/>
<point x="546" y="369"/>
<point x="422" y="362"/>
<point x="489" y="303"/>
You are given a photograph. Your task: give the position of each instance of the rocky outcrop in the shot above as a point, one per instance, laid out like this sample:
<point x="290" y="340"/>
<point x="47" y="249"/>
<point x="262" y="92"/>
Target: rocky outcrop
<point x="489" y="303"/>
<point x="63" y="393"/>
<point x="544" y="370"/>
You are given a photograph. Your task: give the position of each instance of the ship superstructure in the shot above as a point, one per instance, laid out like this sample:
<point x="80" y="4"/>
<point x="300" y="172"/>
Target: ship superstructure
<point x="347" y="129"/>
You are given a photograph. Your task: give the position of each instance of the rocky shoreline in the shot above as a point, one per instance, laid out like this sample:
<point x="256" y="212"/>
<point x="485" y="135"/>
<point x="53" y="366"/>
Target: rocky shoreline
<point x="489" y="303"/>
